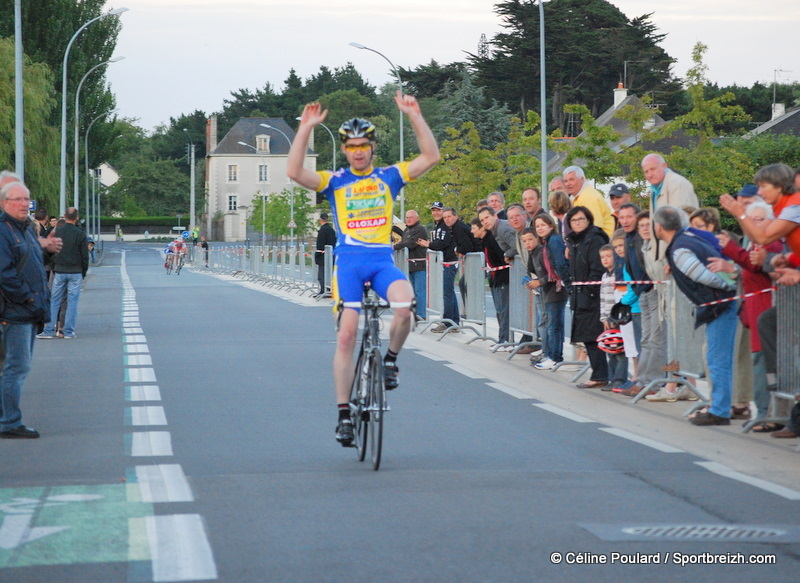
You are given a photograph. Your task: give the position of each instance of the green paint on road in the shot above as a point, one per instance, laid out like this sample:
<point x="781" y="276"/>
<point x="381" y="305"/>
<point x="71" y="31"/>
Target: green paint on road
<point x="72" y="525"/>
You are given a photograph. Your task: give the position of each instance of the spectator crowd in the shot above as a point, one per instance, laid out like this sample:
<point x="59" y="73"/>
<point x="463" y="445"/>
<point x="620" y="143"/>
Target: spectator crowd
<point x="599" y="269"/>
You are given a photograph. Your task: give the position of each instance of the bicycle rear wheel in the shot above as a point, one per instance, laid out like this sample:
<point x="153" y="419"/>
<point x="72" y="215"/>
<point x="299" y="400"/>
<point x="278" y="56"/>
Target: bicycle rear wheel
<point x="358" y="404"/>
<point x="377" y="407"/>
<point x="169" y="266"/>
<point x="178" y="268"/>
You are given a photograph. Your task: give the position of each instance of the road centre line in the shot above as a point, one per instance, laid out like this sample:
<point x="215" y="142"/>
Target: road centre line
<point x="509" y="391"/>
<point x="140" y="375"/>
<point x="143" y="393"/>
<point x="564" y="413"/>
<point x="657" y="445"/>
<point x="138" y="360"/>
<point x="137" y="348"/>
<point x="162" y="483"/>
<point x="179" y="548"/>
<point x="149" y="444"/>
<point x="727" y="472"/>
<point x="146" y="415"/>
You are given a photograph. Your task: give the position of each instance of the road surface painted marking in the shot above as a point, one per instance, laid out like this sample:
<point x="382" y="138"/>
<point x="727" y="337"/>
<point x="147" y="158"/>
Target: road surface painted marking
<point x="138" y="360"/>
<point x="464" y="371"/>
<point x="727" y="472"/>
<point x="66" y="525"/>
<point x="147" y="415"/>
<point x="663" y="447"/>
<point x="179" y="548"/>
<point x="509" y="391"/>
<point x="563" y="413"/>
<point x="137" y="348"/>
<point x="143" y="393"/>
<point x="133" y="331"/>
<point x="150" y="443"/>
<point x="432" y="357"/>
<point x="140" y="375"/>
<point x="134" y="339"/>
<point x="162" y="483"/>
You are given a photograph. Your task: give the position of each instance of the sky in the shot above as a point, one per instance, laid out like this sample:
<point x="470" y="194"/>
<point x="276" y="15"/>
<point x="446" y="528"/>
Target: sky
<point x="187" y="55"/>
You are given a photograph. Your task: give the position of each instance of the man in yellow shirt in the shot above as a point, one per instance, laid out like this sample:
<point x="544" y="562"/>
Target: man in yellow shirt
<point x="583" y="194"/>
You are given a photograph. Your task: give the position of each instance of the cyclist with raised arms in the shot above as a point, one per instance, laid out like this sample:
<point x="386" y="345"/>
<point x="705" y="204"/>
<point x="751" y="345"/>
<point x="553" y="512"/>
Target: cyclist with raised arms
<point x="362" y="198"/>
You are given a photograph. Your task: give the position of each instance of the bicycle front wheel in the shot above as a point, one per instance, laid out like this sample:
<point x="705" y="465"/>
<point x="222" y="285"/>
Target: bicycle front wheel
<point x="377" y="407"/>
<point x="358" y="405"/>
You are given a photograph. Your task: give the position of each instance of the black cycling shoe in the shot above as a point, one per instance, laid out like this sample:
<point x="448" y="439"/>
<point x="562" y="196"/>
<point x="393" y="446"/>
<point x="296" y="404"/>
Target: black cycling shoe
<point x="390" y="375"/>
<point x="344" y="432"/>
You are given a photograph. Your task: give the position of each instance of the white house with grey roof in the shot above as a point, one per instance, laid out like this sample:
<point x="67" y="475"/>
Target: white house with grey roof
<point x="238" y="174"/>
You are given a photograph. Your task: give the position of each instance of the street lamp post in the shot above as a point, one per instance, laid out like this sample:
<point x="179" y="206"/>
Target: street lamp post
<point x="291" y="206"/>
<point x="19" y="118"/>
<point x="86" y="168"/>
<point x="262" y="192"/>
<point x="63" y="181"/>
<point x="77" y="155"/>
<point x="192" y="203"/>
<point x="402" y="196"/>
<point x="333" y="143"/>
<point x="542" y="98"/>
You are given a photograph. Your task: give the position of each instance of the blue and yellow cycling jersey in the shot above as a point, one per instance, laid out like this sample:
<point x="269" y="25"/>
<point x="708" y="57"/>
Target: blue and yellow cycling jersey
<point x="362" y="204"/>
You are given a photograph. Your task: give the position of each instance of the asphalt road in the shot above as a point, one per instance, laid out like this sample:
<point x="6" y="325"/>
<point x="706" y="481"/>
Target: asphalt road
<point x="187" y="435"/>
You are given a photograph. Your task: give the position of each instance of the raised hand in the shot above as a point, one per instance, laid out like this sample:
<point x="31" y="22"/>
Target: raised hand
<point x="313" y="114"/>
<point x="407" y="103"/>
<point x="731" y="205"/>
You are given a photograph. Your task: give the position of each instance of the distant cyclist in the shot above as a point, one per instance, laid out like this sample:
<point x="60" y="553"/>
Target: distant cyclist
<point x="174" y="251"/>
<point x="362" y="198"/>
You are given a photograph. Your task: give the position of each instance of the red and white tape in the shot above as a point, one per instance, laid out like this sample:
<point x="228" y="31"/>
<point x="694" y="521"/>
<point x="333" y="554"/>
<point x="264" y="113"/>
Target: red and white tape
<point x="742" y="297"/>
<point x="635" y="282"/>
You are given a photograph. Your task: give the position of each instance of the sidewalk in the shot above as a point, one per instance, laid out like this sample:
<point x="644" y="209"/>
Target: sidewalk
<point x="757" y="455"/>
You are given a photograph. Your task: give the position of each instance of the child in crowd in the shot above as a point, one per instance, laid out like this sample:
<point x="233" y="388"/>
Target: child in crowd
<point x="623" y="293"/>
<point x="617" y="363"/>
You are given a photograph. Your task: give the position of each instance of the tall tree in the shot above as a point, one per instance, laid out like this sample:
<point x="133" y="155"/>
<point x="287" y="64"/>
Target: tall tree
<point x="41" y="139"/>
<point x="461" y="102"/>
<point x="587" y="43"/>
<point x="430" y="80"/>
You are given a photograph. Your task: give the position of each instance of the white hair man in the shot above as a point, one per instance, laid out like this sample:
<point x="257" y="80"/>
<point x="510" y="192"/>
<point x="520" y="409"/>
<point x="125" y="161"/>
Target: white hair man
<point x="583" y="194"/>
<point x="667" y="187"/>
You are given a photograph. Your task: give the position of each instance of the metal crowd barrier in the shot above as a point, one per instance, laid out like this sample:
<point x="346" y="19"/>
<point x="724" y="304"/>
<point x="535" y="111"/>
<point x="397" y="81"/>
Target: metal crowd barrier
<point x="787" y="303"/>
<point x="685" y="353"/>
<point x="475" y="308"/>
<point x="401" y="260"/>
<point x="328" y="271"/>
<point x="435" y="299"/>
<point x="522" y="306"/>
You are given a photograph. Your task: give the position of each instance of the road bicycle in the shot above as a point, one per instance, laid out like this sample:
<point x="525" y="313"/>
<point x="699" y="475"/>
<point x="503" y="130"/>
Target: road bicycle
<point x="168" y="263"/>
<point x="179" y="261"/>
<point x="368" y="393"/>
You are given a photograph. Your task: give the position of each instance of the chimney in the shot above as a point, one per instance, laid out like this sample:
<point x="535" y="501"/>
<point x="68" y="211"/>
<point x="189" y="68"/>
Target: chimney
<point x="620" y="95"/>
<point x="211" y="134"/>
<point x="778" y="109"/>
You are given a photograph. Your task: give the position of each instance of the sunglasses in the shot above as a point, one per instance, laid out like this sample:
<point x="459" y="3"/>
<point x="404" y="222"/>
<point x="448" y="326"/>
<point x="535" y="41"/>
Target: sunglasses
<point x="357" y="147"/>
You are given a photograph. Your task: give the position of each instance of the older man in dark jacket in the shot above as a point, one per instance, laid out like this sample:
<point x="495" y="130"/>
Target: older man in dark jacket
<point x="26" y="300"/>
